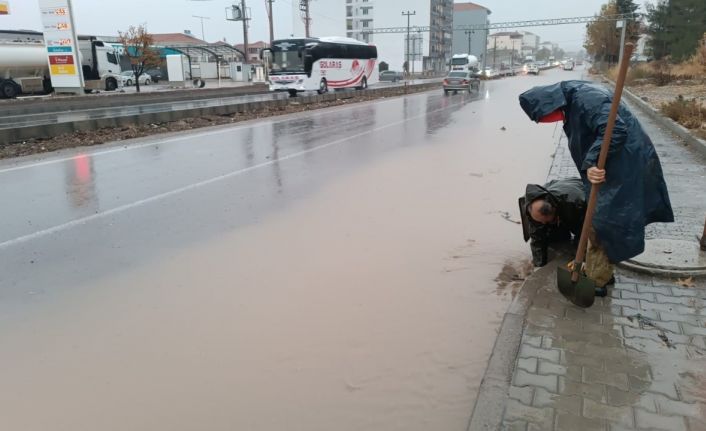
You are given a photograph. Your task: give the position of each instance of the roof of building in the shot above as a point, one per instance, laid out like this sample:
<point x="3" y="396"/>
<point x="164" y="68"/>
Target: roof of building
<point x="461" y="7"/>
<point x="258" y="44"/>
<point x="507" y="33"/>
<point x="177" y="38"/>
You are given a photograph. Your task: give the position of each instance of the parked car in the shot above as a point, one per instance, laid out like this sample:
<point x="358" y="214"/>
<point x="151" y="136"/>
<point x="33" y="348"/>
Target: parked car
<point x="531" y="68"/>
<point x="391" y="76"/>
<point x="490" y="73"/>
<point x="461" y="81"/>
<point x="155" y="75"/>
<point x="128" y="78"/>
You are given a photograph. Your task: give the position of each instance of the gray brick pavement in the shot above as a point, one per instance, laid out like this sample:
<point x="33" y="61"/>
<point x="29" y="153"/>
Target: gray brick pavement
<point x="636" y="359"/>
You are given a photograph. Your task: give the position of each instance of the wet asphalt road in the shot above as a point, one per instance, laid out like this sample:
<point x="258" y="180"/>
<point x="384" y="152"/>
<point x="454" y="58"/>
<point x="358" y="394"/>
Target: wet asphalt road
<point x="337" y="269"/>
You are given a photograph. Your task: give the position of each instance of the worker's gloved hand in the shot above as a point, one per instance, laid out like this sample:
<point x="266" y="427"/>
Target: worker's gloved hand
<point x="595" y="175"/>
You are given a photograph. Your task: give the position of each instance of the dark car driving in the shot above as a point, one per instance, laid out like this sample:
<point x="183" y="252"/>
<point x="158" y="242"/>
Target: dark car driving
<point x="461" y="81"/>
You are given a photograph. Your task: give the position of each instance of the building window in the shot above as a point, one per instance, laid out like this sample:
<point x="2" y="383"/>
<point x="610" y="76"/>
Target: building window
<point x="349" y="10"/>
<point x="365" y="24"/>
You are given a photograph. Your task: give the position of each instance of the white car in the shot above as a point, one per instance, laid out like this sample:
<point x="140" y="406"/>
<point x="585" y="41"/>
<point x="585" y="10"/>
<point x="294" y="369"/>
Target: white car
<point x="531" y="68"/>
<point x="128" y="78"/>
<point x="569" y="65"/>
<point x="490" y="73"/>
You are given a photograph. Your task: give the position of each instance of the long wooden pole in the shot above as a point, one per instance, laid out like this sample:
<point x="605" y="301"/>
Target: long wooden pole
<point x="602" y="157"/>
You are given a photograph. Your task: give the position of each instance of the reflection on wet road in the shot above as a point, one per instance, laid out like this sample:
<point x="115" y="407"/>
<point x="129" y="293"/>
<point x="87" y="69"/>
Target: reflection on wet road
<point x="326" y="270"/>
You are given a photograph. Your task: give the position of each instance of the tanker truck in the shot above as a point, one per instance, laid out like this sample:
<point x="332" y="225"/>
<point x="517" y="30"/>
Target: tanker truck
<point x="464" y="63"/>
<point x="24" y="68"/>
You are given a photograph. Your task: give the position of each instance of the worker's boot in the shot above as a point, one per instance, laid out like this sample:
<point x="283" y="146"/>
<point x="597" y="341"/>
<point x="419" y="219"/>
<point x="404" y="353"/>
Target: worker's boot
<point x="602" y="292"/>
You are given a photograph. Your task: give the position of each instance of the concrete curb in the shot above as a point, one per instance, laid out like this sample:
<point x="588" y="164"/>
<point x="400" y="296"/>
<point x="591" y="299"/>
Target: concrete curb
<point x="493" y="392"/>
<point x="8" y="136"/>
<point x="664" y="122"/>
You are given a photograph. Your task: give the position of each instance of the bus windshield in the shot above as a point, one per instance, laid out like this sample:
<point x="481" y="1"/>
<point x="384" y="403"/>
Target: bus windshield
<point x="287" y="56"/>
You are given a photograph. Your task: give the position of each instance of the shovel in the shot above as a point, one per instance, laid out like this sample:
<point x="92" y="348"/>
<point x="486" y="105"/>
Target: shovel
<point x="574" y="285"/>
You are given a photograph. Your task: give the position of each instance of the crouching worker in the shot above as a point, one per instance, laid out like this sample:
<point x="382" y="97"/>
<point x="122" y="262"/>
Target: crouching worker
<point x="552" y="214"/>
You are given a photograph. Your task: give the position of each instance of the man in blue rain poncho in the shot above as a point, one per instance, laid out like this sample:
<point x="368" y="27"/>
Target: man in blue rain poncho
<point x="633" y="194"/>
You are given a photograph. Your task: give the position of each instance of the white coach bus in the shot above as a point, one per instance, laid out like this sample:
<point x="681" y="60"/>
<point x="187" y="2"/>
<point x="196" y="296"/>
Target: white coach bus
<point x="320" y="64"/>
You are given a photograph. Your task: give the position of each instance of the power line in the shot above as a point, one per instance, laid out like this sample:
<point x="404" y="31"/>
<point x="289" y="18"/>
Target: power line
<point x="515" y="24"/>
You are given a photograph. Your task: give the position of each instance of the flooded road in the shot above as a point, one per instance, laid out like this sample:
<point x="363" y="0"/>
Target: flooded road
<point x="343" y="269"/>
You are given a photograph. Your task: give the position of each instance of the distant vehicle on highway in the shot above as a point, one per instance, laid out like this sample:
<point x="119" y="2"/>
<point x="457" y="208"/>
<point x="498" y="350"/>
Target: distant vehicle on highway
<point x="391" y="76"/>
<point x="463" y="63"/>
<point x="461" y="81"/>
<point x="128" y="78"/>
<point x="531" y="68"/>
<point x="507" y="70"/>
<point x="490" y="73"/>
<point x="640" y="58"/>
<point x="319" y="64"/>
<point x="569" y="65"/>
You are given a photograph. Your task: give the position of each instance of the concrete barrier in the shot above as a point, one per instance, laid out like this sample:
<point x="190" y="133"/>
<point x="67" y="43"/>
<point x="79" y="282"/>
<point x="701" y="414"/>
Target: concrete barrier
<point x="66" y="103"/>
<point x="19" y="134"/>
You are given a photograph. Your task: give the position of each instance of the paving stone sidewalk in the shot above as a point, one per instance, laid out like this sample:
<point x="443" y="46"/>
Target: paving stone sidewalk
<point x="636" y="359"/>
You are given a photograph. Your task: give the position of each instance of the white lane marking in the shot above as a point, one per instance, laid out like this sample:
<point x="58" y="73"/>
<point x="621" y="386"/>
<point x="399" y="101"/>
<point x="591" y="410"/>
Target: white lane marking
<point x="116" y="210"/>
<point x="191" y="135"/>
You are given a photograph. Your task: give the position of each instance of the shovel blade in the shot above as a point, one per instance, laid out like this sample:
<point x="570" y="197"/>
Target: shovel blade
<point x="581" y="293"/>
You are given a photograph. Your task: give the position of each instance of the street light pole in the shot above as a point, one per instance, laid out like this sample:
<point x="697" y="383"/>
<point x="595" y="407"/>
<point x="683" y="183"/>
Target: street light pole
<point x="408" y="14"/>
<point x="203" y="35"/>
<point x="624" y="25"/>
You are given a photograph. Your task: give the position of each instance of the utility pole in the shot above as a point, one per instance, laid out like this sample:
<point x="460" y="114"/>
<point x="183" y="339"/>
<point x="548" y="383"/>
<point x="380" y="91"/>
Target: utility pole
<point x="306" y="16"/>
<point x="245" y="30"/>
<point x="269" y="16"/>
<point x="408" y="14"/>
<point x="469" y="33"/>
<point x="495" y="49"/>
<point x="203" y="35"/>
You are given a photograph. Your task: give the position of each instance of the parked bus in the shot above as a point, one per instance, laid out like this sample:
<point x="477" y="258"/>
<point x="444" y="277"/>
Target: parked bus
<point x="319" y="64"/>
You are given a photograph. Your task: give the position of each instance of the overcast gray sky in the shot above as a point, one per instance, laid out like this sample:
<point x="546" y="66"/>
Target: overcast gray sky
<point x="102" y="17"/>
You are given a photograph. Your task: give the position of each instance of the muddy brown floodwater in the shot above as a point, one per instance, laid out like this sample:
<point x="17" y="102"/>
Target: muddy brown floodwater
<point x="370" y="304"/>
